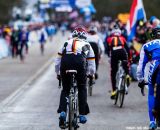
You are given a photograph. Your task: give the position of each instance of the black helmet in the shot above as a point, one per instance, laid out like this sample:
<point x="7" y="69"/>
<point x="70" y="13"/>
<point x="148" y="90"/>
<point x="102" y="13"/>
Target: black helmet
<point x="156" y="32"/>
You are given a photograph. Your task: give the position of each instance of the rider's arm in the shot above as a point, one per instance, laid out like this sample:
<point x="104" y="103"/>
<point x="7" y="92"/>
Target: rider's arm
<point x="141" y="66"/>
<point x="58" y="62"/>
<point x="101" y="46"/>
<point x="108" y="42"/>
<point x="125" y="45"/>
<point x="91" y="68"/>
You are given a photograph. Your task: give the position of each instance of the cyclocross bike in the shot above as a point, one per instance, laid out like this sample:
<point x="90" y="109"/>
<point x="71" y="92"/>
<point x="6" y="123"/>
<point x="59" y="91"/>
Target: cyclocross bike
<point x="72" y="103"/>
<point x="121" y="86"/>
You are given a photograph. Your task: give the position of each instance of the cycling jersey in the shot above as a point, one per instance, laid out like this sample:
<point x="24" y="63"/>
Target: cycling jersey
<point x="96" y="39"/>
<point x="116" y="41"/>
<point x="77" y="46"/>
<point x="149" y="52"/>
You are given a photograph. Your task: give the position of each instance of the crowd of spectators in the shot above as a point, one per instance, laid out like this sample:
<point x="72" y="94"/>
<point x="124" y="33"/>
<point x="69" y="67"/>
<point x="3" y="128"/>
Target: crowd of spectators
<point x="142" y="36"/>
<point x="15" y="40"/>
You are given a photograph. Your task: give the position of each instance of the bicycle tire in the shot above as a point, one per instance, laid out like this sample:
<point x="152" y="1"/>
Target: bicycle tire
<point x="90" y="90"/>
<point x="116" y="98"/>
<point x="117" y="83"/>
<point x="122" y="93"/>
<point x="75" y="121"/>
<point x="71" y="114"/>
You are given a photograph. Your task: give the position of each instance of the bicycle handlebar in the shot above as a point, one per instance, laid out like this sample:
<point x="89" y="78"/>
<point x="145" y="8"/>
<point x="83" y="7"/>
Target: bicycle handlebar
<point x="91" y="80"/>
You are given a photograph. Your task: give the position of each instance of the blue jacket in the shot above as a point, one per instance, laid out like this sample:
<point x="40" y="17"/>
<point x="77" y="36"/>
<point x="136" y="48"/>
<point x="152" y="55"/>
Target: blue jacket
<point x="149" y="53"/>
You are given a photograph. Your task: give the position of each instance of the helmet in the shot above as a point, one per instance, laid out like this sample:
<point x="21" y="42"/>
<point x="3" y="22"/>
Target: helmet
<point x="80" y="32"/>
<point x="152" y="18"/>
<point x="93" y="29"/>
<point x="156" y="32"/>
<point x="116" y="32"/>
<point x="115" y="26"/>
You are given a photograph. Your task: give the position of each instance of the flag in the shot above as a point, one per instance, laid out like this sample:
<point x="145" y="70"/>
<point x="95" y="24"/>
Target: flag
<point x="137" y="13"/>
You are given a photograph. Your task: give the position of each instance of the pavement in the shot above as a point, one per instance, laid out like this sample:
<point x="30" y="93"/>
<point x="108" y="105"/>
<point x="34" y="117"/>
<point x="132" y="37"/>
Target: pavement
<point x="33" y="105"/>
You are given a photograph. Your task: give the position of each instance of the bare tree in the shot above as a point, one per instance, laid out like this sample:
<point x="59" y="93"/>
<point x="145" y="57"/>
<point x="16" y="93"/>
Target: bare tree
<point x="6" y="7"/>
<point x="113" y="7"/>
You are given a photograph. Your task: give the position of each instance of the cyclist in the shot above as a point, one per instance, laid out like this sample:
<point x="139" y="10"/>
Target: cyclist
<point x="76" y="54"/>
<point x="117" y="50"/>
<point x="42" y="39"/>
<point x="150" y="52"/>
<point x="97" y="46"/>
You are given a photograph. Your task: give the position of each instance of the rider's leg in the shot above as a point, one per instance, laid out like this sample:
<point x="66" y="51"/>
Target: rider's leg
<point x="114" y="68"/>
<point x="64" y="94"/>
<point x="151" y="96"/>
<point x="82" y="90"/>
<point x="83" y="105"/>
<point x="156" y="111"/>
<point x="96" y="52"/>
<point x="82" y="93"/>
<point x="65" y="65"/>
<point x="151" y="101"/>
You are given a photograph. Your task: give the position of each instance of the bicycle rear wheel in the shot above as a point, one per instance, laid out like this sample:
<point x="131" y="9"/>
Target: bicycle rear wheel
<point x="90" y="90"/>
<point x="71" y="114"/>
<point x="117" y="84"/>
<point x="121" y="93"/>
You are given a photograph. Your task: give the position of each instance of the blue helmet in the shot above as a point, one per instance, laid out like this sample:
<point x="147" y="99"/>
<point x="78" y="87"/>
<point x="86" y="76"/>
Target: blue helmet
<point x="152" y="18"/>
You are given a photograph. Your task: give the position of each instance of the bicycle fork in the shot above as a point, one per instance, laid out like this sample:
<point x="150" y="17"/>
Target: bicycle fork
<point x="120" y="82"/>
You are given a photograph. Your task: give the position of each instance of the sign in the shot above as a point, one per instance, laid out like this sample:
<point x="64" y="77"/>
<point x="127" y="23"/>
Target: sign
<point x="83" y="3"/>
<point x="123" y="17"/>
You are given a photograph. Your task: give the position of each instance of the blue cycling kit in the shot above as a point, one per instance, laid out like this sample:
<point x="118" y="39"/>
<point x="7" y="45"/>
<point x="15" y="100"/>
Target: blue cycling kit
<point x="150" y="52"/>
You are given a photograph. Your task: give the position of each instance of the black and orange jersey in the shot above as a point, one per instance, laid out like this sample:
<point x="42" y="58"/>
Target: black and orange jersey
<point x="114" y="41"/>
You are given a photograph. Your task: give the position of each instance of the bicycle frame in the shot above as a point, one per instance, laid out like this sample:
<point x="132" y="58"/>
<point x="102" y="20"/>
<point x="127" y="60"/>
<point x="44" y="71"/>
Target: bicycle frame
<point x="72" y="102"/>
<point x="120" y="84"/>
<point x="121" y="75"/>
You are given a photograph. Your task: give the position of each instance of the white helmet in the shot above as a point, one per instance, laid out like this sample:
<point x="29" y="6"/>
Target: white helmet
<point x="93" y="29"/>
<point x="116" y="32"/>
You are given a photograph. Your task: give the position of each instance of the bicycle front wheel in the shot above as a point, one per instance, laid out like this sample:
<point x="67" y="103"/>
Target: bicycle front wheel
<point x="121" y="93"/>
<point x="116" y="98"/>
<point x="90" y="90"/>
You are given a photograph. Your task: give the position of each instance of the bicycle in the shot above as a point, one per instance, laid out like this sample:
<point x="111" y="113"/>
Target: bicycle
<point x="121" y="86"/>
<point x="72" y="103"/>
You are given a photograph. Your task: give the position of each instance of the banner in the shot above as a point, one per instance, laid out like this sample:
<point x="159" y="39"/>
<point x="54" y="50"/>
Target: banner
<point x="137" y="13"/>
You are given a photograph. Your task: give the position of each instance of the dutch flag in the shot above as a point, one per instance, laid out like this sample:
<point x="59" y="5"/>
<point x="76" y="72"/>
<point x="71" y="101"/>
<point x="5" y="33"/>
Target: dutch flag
<point x="137" y="13"/>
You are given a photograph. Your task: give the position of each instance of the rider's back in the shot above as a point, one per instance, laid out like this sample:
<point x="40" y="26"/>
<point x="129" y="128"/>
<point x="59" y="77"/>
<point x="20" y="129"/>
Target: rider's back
<point x="153" y="47"/>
